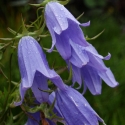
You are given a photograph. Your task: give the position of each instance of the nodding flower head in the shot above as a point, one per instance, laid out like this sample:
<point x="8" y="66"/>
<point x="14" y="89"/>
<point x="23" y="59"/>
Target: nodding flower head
<point x="75" y="109"/>
<point x="34" y="70"/>
<point x="63" y="28"/>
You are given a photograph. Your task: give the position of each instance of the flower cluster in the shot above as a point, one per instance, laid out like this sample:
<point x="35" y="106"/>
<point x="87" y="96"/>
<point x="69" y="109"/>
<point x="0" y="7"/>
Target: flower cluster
<point x="87" y="66"/>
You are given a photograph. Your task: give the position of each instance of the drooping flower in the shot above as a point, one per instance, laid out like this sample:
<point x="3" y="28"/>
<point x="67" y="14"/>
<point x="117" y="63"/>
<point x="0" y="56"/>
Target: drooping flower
<point x="34" y="70"/>
<point x="69" y="40"/>
<point x="93" y="72"/>
<point x="63" y="28"/>
<point x="75" y="109"/>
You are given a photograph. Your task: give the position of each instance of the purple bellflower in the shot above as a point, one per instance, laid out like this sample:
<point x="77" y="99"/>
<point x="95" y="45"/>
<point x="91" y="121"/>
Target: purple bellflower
<point x="63" y="28"/>
<point x="34" y="70"/>
<point x="93" y="71"/>
<point x="70" y="42"/>
<point x="75" y="109"/>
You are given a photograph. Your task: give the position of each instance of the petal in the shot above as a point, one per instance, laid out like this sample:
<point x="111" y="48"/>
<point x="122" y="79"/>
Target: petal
<point x="55" y="16"/>
<point x="51" y="100"/>
<point x="63" y="45"/>
<point x="96" y="62"/>
<point x="81" y="112"/>
<point x="76" y="75"/>
<point x="108" y="77"/>
<point x="85" y="24"/>
<point x="91" y="79"/>
<point x="51" y="122"/>
<point x="75" y="34"/>
<point x="56" y="79"/>
<point x="93" y="51"/>
<point x="53" y="37"/>
<point x="22" y="94"/>
<point x="39" y="84"/>
<point x="79" y="57"/>
<point x="34" y="119"/>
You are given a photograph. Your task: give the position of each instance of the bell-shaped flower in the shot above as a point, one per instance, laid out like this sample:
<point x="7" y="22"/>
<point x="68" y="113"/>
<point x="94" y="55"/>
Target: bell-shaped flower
<point x="63" y="27"/>
<point x="88" y="66"/>
<point x="75" y="109"/>
<point x="34" y="70"/>
<point x="70" y="42"/>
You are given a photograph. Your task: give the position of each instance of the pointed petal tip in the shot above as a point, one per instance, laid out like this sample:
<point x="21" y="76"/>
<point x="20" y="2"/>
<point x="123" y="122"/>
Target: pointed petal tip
<point x="17" y="103"/>
<point x="85" y="24"/>
<point x="108" y="56"/>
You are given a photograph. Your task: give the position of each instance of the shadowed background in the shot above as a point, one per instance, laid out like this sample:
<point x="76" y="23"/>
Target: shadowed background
<point x="108" y="15"/>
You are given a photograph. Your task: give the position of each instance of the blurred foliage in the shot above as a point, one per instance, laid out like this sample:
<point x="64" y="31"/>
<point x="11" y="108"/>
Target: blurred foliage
<point x="108" y="15"/>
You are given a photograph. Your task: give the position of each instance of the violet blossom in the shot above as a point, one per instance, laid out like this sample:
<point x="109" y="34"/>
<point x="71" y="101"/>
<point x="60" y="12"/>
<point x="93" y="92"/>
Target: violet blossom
<point x="75" y="109"/>
<point x="63" y="27"/>
<point x="91" y="72"/>
<point x="34" y="70"/>
<point x="70" y="42"/>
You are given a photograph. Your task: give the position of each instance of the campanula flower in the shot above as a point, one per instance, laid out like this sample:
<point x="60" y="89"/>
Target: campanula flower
<point x="75" y="108"/>
<point x="34" y="70"/>
<point x="63" y="28"/>
<point x="88" y="66"/>
<point x="69" y="40"/>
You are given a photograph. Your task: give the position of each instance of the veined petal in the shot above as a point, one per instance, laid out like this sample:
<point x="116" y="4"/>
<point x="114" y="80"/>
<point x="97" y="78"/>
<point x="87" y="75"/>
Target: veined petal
<point x="63" y="45"/>
<point x="34" y="119"/>
<point x="108" y="77"/>
<point x="85" y="24"/>
<point x="91" y="79"/>
<point x="39" y="84"/>
<point x="75" y="34"/>
<point x="81" y="113"/>
<point x="53" y="37"/>
<point x="79" y="57"/>
<point x="76" y="75"/>
<point x="22" y="94"/>
<point x="96" y="62"/>
<point x="50" y="122"/>
<point x="93" y="51"/>
<point x="56" y="108"/>
<point x="55" y="15"/>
